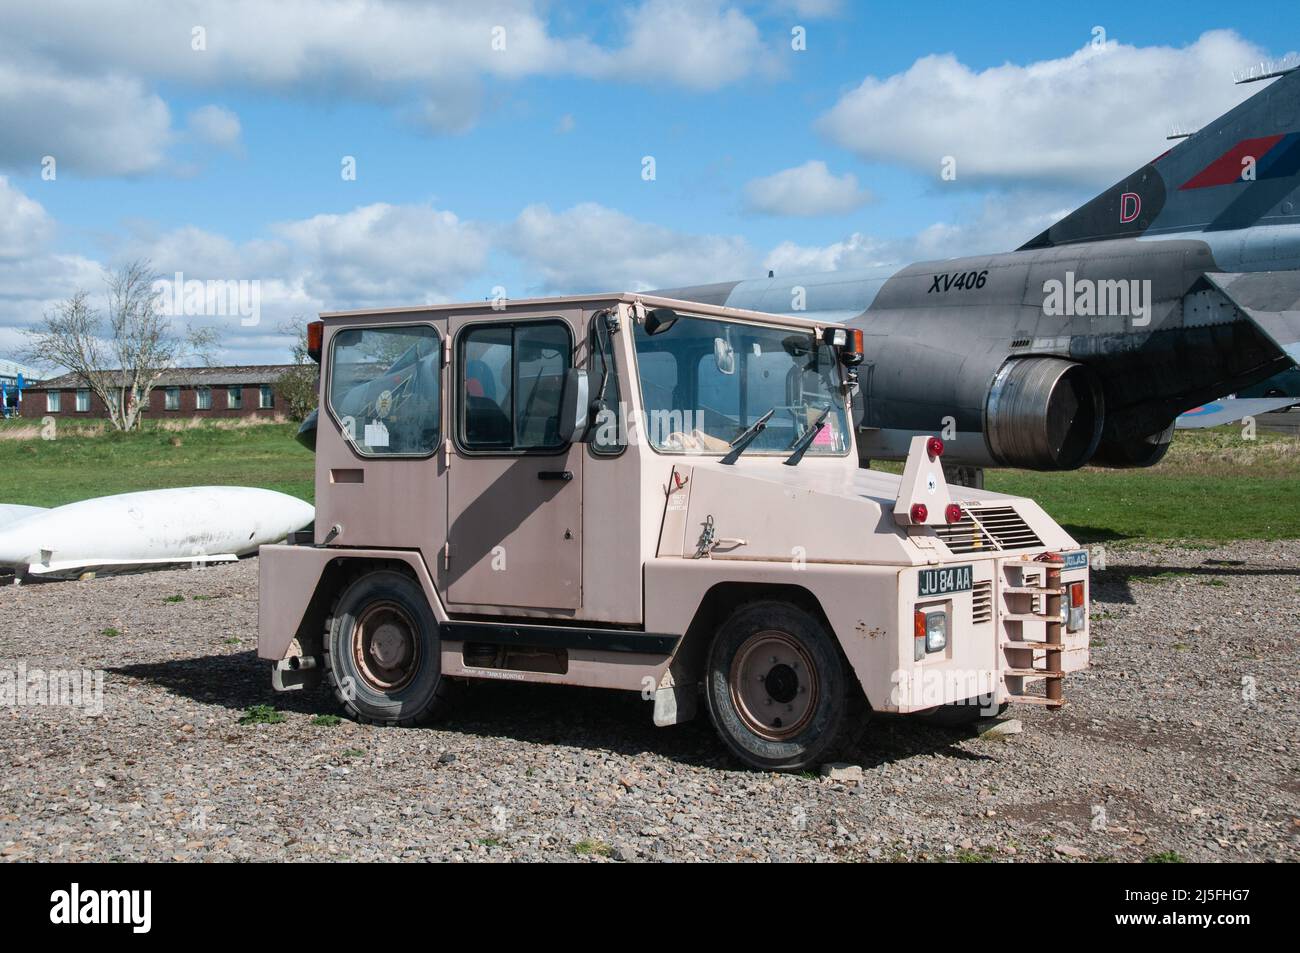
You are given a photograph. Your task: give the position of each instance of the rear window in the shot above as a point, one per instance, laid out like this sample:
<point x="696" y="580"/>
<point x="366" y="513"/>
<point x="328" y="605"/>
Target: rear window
<point x="384" y="389"/>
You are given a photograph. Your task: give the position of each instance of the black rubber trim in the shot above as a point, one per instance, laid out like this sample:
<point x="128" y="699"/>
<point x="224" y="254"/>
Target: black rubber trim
<point x="556" y="637"/>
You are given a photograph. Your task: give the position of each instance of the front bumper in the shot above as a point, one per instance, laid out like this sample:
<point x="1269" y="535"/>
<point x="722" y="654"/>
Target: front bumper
<point x="1009" y="634"/>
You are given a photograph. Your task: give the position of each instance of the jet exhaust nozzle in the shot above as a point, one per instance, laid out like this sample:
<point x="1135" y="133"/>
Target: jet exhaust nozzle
<point x="1044" y="413"/>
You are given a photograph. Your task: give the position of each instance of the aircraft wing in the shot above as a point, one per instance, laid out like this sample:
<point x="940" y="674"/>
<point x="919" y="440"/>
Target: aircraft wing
<point x="1231" y="409"/>
<point x="1269" y="298"/>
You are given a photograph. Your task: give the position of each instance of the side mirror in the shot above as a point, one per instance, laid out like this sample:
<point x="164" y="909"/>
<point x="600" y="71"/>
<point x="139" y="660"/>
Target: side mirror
<point x="575" y="407"/>
<point x="659" y="320"/>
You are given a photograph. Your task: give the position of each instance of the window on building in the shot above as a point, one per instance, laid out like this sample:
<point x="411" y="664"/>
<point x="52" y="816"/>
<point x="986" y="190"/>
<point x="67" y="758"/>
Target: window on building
<point x="171" y="398"/>
<point x="265" y="397"/>
<point x="83" y="401"/>
<point x="235" y="398"/>
<point x="52" y="402"/>
<point x="203" y="398"/>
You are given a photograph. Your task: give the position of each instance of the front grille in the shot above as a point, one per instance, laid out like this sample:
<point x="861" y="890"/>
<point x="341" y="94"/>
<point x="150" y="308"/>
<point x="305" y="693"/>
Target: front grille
<point x="965" y="536"/>
<point x="988" y="527"/>
<point x="982" y="602"/>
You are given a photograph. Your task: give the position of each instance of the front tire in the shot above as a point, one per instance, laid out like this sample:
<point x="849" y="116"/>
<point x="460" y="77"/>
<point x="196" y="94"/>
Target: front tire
<point x="383" y="653"/>
<point x="780" y="693"/>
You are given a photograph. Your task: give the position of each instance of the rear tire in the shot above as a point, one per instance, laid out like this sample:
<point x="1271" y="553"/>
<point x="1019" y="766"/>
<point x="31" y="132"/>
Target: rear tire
<point x="780" y="693"/>
<point x="383" y="653"/>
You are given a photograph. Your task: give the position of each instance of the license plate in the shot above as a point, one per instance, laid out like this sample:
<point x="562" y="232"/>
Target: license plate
<point x="940" y="582"/>
<point x="1077" y="560"/>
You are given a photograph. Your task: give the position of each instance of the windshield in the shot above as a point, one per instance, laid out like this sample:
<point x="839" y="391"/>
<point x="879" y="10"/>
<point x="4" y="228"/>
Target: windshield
<point x="704" y="382"/>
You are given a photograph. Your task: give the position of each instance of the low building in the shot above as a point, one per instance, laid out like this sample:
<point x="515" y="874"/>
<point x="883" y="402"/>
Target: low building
<point x="185" y="392"/>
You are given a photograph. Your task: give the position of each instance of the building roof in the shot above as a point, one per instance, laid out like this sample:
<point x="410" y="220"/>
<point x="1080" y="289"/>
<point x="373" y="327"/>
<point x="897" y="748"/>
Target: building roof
<point x="189" y="377"/>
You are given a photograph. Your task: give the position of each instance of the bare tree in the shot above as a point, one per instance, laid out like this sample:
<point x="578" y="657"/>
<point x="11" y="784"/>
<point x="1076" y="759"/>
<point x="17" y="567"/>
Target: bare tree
<point x="299" y="386"/>
<point x="121" y="354"/>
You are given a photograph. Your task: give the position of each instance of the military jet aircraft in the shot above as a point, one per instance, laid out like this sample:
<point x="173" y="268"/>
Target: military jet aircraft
<point x="1176" y="286"/>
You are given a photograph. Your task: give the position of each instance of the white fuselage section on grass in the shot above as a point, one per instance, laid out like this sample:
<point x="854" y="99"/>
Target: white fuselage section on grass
<point x="11" y="513"/>
<point x="185" y="524"/>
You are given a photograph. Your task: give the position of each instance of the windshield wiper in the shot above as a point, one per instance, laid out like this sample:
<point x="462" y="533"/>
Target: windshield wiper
<point x="745" y="439"/>
<point x="805" y="439"/>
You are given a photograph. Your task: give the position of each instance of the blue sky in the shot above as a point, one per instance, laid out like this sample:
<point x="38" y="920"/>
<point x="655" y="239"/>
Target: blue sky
<point x="522" y="167"/>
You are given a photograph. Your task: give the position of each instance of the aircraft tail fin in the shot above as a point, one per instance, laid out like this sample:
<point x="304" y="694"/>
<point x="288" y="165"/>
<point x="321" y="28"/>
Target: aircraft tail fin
<point x="1241" y="170"/>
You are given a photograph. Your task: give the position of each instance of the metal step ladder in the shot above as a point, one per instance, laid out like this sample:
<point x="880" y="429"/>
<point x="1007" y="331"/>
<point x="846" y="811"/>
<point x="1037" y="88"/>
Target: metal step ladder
<point x="1028" y="602"/>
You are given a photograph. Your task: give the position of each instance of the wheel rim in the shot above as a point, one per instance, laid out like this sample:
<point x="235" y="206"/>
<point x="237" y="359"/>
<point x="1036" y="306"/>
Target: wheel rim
<point x="385" y="646"/>
<point x="774" y="685"/>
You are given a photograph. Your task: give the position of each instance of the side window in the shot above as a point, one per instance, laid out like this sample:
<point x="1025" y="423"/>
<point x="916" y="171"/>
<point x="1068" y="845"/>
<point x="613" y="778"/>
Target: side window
<point x="512" y="384"/>
<point x="385" y="386"/>
<point x="610" y="436"/>
<point x="486" y="371"/>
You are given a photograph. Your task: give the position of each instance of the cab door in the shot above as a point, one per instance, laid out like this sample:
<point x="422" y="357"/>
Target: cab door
<point x="514" y="505"/>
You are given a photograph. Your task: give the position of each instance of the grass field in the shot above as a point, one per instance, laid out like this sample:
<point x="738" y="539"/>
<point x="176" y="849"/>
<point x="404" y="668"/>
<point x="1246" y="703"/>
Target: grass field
<point x="75" y="467"/>
<point x="1213" y="485"/>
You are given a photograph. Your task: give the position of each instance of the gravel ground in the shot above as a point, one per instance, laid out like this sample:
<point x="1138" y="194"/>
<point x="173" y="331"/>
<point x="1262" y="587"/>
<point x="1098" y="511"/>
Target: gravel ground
<point x="1181" y="738"/>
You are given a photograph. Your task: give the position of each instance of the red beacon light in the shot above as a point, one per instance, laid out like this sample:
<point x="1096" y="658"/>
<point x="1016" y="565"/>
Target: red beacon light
<point x="919" y="513"/>
<point x="315" y="340"/>
<point x="953" y="513"/>
<point x="934" y="447"/>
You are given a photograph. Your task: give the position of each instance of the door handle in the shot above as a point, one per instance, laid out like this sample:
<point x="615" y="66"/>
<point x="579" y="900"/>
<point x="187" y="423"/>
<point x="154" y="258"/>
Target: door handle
<point x="564" y="475"/>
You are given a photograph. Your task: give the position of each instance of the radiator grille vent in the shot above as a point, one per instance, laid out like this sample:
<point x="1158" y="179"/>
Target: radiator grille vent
<point x="988" y="527"/>
<point x="982" y="603"/>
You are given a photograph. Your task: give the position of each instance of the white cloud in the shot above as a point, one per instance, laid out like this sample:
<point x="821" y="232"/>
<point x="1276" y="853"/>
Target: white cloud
<point x="1092" y="117"/>
<point x="808" y="189"/>
<point x="427" y="60"/>
<point x="32" y="277"/>
<point x="386" y="254"/>
<point x="699" y="44"/>
<point x="24" y="224"/>
<point x="106" y="125"/>
<point x="1002" y="223"/>
<point x="593" y="248"/>
<point x="371" y="256"/>
<point x="215" y="126"/>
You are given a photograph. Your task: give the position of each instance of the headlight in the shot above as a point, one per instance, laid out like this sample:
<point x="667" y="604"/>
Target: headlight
<point x="936" y="630"/>
<point x="930" y="631"/>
